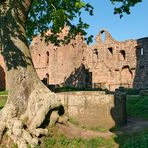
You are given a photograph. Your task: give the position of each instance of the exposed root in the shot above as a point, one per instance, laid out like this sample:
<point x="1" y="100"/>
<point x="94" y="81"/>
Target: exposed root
<point x="26" y="129"/>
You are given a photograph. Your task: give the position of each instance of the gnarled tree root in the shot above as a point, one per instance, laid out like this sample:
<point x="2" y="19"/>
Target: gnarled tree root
<point x="26" y="129"/>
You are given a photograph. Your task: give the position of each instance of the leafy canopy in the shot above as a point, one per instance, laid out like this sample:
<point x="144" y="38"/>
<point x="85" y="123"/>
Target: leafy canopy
<point x="124" y="6"/>
<point x="55" y="14"/>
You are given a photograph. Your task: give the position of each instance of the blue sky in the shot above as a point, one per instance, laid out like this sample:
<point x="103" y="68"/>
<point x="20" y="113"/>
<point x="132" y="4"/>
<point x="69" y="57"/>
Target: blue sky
<point x="133" y="26"/>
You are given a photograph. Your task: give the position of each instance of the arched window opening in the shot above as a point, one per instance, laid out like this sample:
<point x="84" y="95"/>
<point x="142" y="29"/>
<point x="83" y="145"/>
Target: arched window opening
<point x="47" y="79"/>
<point x="103" y="36"/>
<point x="141" y="51"/>
<point x="47" y="58"/>
<point x="96" y="52"/>
<point x="122" y="55"/>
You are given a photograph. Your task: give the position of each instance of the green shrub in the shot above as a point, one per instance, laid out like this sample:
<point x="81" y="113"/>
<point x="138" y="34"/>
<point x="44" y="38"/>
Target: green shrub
<point x="139" y="140"/>
<point x="137" y="106"/>
<point x="131" y="91"/>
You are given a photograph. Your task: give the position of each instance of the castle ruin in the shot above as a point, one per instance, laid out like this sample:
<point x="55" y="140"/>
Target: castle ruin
<point x="106" y="64"/>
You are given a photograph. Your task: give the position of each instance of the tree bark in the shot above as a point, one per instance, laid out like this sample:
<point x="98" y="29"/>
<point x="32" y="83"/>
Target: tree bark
<point x="28" y="100"/>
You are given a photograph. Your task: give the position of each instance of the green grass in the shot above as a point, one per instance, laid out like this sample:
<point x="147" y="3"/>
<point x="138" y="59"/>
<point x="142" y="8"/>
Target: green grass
<point x="3" y="93"/>
<point x="138" y="140"/>
<point x="2" y="102"/>
<point x="137" y="106"/>
<point x="3" y="98"/>
<point x="63" y="142"/>
<point x="73" y="121"/>
<point x="99" y="129"/>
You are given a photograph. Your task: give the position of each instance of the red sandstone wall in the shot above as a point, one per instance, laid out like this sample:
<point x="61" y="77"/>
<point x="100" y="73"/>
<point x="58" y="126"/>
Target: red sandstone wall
<point x="114" y="63"/>
<point x="111" y="63"/>
<point x="58" y="63"/>
<point x="107" y="63"/>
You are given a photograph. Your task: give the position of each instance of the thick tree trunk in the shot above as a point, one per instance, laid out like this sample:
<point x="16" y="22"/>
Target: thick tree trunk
<point x="28" y="100"/>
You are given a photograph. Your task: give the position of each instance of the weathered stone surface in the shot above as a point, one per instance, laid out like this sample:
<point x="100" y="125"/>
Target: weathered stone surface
<point x="107" y="63"/>
<point x="93" y="110"/>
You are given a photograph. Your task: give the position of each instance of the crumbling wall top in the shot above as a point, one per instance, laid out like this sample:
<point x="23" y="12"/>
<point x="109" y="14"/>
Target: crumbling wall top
<point x="103" y="37"/>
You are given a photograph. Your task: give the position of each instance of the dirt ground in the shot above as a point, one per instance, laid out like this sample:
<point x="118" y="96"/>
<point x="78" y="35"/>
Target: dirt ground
<point x="133" y="125"/>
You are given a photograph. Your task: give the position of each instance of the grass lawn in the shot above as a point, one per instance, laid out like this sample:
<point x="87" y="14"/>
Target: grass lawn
<point x="137" y="106"/>
<point x="60" y="141"/>
<point x="2" y="103"/>
<point x="3" y="98"/>
<point x="63" y="142"/>
<point x="3" y="93"/>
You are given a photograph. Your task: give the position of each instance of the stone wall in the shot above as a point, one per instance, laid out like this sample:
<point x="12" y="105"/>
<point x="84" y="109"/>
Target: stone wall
<point x="94" y="109"/>
<point x="61" y="65"/>
<point x="120" y="63"/>
<point x="107" y="63"/>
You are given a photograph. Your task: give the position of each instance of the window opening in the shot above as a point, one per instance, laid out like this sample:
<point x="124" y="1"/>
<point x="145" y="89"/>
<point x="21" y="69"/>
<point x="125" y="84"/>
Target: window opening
<point x="122" y="52"/>
<point x="103" y="36"/>
<point x="47" y="57"/>
<point x="141" y="51"/>
<point x="110" y="50"/>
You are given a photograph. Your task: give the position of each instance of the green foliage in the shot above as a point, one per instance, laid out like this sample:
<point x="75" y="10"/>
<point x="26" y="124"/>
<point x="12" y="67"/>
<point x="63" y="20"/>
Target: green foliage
<point x="54" y="15"/>
<point x="137" y="106"/>
<point x="131" y="91"/>
<point x="124" y="6"/>
<point x="73" y="121"/>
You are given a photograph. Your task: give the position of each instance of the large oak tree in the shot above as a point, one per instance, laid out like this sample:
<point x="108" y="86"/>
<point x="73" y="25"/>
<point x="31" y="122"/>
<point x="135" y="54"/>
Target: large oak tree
<point x="29" y="100"/>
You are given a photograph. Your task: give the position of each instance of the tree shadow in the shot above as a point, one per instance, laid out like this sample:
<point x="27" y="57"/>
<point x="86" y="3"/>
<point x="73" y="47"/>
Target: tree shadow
<point x="79" y="78"/>
<point x="2" y="79"/>
<point x="13" y="38"/>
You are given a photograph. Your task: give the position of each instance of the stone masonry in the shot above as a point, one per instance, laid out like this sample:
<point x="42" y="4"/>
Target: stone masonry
<point x="107" y="63"/>
<point x="94" y="108"/>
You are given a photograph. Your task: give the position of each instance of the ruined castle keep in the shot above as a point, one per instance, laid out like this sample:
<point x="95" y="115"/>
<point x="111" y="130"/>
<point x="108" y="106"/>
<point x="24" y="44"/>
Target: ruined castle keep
<point x="107" y="63"/>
